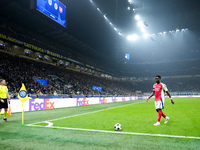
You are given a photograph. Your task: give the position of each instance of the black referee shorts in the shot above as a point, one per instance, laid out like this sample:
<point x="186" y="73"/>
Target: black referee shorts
<point x="5" y="104"/>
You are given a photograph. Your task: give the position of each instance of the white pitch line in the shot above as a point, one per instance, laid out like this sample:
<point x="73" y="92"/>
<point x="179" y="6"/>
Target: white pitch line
<point x="84" y="113"/>
<point x="119" y="132"/>
<point x="50" y="124"/>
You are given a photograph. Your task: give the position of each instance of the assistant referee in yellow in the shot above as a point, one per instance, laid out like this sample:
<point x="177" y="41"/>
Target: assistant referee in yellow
<point x="3" y="98"/>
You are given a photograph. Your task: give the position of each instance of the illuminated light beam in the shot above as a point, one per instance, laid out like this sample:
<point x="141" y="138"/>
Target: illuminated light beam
<point x="115" y="29"/>
<point x="105" y="17"/>
<point x="137" y="17"/>
<point x="132" y="37"/>
<point x="98" y="9"/>
<point x="145" y="35"/>
<point x="140" y="23"/>
<point x="119" y="33"/>
<point x="142" y="29"/>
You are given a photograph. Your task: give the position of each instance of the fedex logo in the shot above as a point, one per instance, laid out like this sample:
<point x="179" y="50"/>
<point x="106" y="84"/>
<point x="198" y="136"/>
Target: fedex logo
<point x="82" y="102"/>
<point x="123" y="99"/>
<point x="104" y="100"/>
<point x="114" y="99"/>
<point x="101" y="100"/>
<point x="40" y="105"/>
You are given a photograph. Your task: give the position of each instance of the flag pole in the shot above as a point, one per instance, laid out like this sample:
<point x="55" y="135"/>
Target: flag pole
<point x="23" y="96"/>
<point x="22" y="114"/>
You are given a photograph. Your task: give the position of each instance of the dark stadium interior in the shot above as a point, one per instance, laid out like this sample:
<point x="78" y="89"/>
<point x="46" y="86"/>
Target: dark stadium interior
<point x="88" y="39"/>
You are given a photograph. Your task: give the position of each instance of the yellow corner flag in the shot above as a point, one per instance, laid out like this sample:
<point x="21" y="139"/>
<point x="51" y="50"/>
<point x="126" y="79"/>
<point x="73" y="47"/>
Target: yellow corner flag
<point x="23" y="96"/>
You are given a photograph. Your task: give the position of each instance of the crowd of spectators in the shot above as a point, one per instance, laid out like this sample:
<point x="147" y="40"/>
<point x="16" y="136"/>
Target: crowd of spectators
<point x="19" y="70"/>
<point x="175" y="84"/>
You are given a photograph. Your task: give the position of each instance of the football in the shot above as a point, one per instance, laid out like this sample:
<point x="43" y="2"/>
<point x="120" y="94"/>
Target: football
<point x="118" y="127"/>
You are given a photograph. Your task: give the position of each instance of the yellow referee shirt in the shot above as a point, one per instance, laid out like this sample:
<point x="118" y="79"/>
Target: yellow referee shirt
<point x="3" y="92"/>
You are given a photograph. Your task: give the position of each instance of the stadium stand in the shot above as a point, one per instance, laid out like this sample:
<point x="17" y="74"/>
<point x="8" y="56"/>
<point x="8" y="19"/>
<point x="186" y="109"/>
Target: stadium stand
<point x="60" y="81"/>
<point x="63" y="81"/>
<point x="17" y="69"/>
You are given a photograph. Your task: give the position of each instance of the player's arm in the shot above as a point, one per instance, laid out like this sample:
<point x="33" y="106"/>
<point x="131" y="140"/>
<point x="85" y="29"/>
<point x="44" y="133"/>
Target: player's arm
<point x="152" y="94"/>
<point x="8" y="95"/>
<point x="170" y="97"/>
<point x="1" y="100"/>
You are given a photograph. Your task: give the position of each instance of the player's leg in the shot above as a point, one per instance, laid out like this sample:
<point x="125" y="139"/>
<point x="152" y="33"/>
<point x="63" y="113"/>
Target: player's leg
<point x="0" y="115"/>
<point x="162" y="106"/>
<point x="5" y="110"/>
<point x="5" y="114"/>
<point x="166" y="118"/>
<point x="159" y="114"/>
<point x="158" y="108"/>
<point x="1" y="105"/>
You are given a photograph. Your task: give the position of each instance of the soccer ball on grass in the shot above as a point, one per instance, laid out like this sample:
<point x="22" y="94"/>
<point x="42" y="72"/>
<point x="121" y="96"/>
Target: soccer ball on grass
<point x="118" y="127"/>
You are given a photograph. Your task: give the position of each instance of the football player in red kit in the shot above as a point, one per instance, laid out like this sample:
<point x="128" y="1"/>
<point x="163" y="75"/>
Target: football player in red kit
<point x="159" y="90"/>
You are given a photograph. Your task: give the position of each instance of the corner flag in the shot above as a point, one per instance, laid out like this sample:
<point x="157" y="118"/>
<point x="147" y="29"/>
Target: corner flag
<point x="23" y="96"/>
<point x="9" y="111"/>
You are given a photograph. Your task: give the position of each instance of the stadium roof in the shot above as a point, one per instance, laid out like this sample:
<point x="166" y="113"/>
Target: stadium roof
<point x="89" y="33"/>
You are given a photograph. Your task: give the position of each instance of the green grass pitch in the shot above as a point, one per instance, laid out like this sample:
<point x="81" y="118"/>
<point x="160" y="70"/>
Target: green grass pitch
<point x="134" y="116"/>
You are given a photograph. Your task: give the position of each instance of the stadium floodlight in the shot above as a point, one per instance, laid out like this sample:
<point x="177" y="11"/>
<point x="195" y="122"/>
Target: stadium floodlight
<point x="145" y="35"/>
<point x="137" y="17"/>
<point x="129" y="1"/>
<point x="142" y="29"/>
<point x="164" y="32"/>
<point x="132" y="37"/>
<point x="186" y="29"/>
<point x="160" y="33"/>
<point x="173" y="31"/>
<point x="129" y="8"/>
<point x="98" y="9"/>
<point x="105" y="17"/>
<point x="119" y="33"/>
<point x="177" y="30"/>
<point x="183" y="30"/>
<point x="110" y="23"/>
<point x="115" y="29"/>
<point x="140" y="24"/>
<point x="133" y="9"/>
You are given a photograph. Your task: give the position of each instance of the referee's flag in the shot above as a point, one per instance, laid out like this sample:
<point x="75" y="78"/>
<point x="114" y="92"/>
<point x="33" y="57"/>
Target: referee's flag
<point x="22" y="95"/>
<point x="9" y="111"/>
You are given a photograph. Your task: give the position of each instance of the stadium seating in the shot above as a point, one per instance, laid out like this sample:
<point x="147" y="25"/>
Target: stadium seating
<point x="61" y="81"/>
